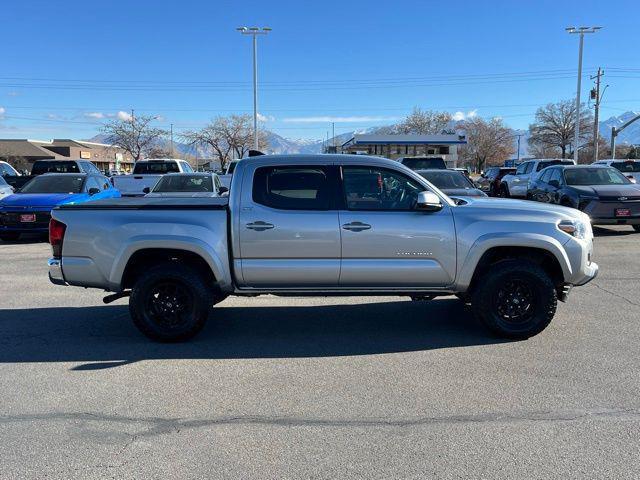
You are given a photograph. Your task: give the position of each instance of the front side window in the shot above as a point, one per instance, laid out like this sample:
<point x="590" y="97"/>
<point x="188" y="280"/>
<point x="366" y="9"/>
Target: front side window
<point x="54" y="184"/>
<point x="292" y="188"/>
<point x="372" y="188"/>
<point x="522" y="169"/>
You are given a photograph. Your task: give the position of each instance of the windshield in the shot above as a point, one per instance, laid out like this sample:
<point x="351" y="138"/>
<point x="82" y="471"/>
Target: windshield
<point x="627" y="167"/>
<point x="423" y="163"/>
<point x="142" y="168"/>
<point x="54" y="184"/>
<point x="3" y="182"/>
<point x="41" y="167"/>
<point x="446" y="179"/>
<point x="232" y="167"/>
<point x="594" y="176"/>
<point x="184" y="183"/>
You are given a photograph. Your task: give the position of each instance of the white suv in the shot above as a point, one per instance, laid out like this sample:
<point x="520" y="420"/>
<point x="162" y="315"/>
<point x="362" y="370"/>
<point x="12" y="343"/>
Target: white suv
<point x="516" y="184"/>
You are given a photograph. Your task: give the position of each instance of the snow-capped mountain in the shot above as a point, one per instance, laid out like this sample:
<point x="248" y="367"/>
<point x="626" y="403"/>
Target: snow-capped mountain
<point x="630" y="135"/>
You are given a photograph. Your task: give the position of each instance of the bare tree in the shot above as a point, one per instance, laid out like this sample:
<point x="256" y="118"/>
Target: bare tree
<point x="135" y="135"/>
<point x="228" y="137"/>
<point x="424" y="122"/>
<point x="18" y="162"/>
<point x="490" y="142"/>
<point x="555" y="125"/>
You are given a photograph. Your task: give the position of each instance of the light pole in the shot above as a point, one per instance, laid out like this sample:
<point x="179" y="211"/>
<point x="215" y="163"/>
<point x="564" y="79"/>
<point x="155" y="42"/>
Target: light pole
<point x="255" y="31"/>
<point x="581" y="31"/>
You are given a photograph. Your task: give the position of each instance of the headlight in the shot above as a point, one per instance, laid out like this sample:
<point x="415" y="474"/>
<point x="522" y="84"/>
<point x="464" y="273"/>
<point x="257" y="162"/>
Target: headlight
<point x="575" y="228"/>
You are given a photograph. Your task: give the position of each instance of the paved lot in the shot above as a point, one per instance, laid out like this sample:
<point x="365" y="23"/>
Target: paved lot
<point x="310" y="388"/>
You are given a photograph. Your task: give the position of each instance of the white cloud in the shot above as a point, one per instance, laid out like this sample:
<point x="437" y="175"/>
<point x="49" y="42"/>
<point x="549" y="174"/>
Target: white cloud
<point x="14" y="94"/>
<point x="266" y="118"/>
<point x="326" y="119"/>
<point x="2" y="111"/>
<point x="123" y="116"/>
<point x="96" y="115"/>
<point x="462" y="115"/>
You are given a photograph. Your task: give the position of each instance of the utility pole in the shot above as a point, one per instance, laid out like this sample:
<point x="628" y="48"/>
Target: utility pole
<point x="580" y="31"/>
<point x="172" y="154"/>
<point x="596" y="96"/>
<point x="255" y="31"/>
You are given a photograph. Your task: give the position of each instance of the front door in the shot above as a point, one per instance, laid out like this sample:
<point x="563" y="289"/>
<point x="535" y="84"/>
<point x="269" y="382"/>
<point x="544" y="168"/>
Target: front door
<point x="386" y="242"/>
<point x="289" y="234"/>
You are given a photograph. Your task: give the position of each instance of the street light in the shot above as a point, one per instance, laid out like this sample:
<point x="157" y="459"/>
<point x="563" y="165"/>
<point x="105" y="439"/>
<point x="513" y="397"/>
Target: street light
<point x="255" y="31"/>
<point x="581" y="31"/>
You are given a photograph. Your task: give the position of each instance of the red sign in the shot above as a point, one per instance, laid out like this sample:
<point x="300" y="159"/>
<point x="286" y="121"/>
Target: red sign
<point x="28" y="217"/>
<point x="623" y="212"/>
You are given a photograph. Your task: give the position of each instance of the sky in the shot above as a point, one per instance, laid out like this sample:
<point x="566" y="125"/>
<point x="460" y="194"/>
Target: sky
<point x="67" y="67"/>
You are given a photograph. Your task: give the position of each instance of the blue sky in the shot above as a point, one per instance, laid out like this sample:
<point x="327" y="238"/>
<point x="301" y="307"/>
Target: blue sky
<point x="68" y="66"/>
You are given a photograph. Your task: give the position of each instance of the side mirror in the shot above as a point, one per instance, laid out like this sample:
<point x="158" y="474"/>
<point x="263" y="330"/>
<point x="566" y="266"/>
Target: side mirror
<point x="93" y="191"/>
<point x="428" y="202"/>
<point x="146" y="190"/>
<point x="222" y="190"/>
<point x="554" y="183"/>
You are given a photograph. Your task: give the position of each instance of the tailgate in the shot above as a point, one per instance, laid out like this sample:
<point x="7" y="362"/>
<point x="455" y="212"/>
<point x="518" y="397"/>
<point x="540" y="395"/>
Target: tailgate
<point x="133" y="185"/>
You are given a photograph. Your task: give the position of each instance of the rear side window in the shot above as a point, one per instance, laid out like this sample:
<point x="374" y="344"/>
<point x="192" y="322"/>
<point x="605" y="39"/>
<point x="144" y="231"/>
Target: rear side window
<point x="542" y="165"/>
<point x="292" y="188"/>
<point x="40" y="167"/>
<point x="143" y="168"/>
<point x="524" y="168"/>
<point x="546" y="175"/>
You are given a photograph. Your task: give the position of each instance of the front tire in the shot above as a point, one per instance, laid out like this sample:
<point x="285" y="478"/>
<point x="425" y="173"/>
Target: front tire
<point x="636" y="228"/>
<point x="170" y="302"/>
<point x="515" y="299"/>
<point x="504" y="191"/>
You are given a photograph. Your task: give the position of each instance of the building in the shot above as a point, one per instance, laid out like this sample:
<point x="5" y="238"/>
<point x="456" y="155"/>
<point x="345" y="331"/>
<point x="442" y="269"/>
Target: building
<point x="104" y="156"/>
<point x="400" y="146"/>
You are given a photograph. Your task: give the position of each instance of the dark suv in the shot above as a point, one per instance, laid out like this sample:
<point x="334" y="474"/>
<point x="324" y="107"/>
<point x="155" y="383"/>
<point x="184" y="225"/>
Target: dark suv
<point x="53" y="166"/>
<point x="489" y="181"/>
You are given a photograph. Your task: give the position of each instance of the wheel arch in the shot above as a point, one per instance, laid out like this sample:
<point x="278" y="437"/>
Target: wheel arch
<point x="545" y="251"/>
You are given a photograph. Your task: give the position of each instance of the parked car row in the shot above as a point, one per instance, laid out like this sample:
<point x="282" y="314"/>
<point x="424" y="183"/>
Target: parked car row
<point x="26" y="207"/>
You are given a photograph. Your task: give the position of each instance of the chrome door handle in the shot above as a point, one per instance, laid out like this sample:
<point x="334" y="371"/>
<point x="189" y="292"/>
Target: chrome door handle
<point x="259" y="226"/>
<point x="356" y="226"/>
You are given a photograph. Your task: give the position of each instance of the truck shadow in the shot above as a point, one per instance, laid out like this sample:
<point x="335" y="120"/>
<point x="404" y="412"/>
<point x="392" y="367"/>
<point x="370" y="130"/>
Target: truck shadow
<point x="104" y="337"/>
<point x="610" y="232"/>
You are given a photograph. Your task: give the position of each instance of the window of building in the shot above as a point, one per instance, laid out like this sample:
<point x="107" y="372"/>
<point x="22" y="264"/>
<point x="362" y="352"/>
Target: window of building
<point x="444" y="150"/>
<point x="292" y="188"/>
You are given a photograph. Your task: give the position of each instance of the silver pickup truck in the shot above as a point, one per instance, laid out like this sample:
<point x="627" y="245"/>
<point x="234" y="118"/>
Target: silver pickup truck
<point x="323" y="225"/>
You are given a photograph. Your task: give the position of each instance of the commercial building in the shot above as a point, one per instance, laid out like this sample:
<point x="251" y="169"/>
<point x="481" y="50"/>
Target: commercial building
<point x="104" y="156"/>
<point x="399" y="146"/>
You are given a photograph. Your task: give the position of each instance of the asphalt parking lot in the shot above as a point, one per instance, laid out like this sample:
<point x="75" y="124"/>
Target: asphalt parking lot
<point x="319" y="388"/>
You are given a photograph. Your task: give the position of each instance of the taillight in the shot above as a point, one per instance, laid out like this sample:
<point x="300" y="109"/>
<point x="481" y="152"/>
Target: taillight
<point x="56" y="236"/>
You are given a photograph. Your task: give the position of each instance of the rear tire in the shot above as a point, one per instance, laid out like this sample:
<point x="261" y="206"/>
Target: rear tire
<point x="9" y="237"/>
<point x="504" y="191"/>
<point x="515" y="299"/>
<point x="170" y="302"/>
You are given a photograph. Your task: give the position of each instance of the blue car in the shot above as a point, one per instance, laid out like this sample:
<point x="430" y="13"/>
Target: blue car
<point x="29" y="210"/>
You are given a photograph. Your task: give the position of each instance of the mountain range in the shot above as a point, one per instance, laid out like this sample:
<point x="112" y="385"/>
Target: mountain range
<point x="280" y="144"/>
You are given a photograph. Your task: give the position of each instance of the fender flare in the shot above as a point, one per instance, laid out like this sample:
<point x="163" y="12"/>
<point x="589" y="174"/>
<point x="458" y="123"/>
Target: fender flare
<point x="511" y="239"/>
<point x="189" y="244"/>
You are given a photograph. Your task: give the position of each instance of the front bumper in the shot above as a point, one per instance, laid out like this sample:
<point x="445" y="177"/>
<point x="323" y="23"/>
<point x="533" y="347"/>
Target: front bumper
<point x="55" y="271"/>
<point x="603" y="212"/>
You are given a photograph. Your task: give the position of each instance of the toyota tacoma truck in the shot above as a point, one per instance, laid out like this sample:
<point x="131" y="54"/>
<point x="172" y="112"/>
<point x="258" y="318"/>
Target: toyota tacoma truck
<point x="296" y="225"/>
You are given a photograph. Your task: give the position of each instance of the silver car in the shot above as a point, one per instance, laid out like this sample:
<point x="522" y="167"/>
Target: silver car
<point x="188" y="185"/>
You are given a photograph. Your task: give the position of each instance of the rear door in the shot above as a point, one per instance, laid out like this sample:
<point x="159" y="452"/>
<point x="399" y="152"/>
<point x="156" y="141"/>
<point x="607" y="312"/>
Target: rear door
<point x="288" y="227"/>
<point x="385" y="241"/>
